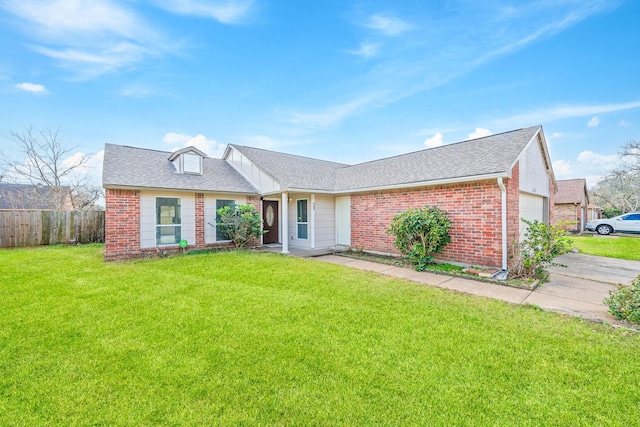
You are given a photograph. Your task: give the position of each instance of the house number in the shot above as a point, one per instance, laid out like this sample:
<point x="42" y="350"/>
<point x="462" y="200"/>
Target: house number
<point x="270" y="216"/>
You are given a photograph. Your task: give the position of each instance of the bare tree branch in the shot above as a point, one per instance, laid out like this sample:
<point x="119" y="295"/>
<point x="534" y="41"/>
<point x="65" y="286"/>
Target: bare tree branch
<point x="48" y="162"/>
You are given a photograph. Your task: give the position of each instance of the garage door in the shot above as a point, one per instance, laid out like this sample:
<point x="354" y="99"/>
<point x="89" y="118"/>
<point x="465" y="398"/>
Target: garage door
<point x="531" y="209"/>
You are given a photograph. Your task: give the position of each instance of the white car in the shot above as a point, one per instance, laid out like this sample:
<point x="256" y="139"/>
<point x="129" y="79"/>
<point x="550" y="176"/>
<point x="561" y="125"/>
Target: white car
<point x="626" y="223"/>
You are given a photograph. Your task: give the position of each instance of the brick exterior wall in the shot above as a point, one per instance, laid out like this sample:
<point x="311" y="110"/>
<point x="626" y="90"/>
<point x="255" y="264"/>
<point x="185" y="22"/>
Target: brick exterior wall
<point x="568" y="212"/>
<point x="474" y="210"/>
<point x="122" y="224"/>
<point x="200" y="222"/>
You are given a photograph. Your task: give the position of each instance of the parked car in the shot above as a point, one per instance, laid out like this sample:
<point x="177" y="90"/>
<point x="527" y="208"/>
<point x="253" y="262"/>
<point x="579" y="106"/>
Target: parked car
<point x="626" y="223"/>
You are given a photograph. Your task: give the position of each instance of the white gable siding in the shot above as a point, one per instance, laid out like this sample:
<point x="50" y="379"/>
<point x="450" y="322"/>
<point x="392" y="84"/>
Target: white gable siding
<point x="148" y="217"/>
<point x="533" y="174"/>
<point x="210" y="213"/>
<point x="251" y="172"/>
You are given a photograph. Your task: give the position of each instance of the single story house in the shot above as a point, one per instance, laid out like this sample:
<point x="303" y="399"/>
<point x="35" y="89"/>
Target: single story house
<point x="572" y="203"/>
<point x="155" y="198"/>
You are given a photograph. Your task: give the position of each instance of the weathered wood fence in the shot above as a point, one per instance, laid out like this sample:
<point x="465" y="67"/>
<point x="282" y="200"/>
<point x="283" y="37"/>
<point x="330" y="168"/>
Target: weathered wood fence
<point x="37" y="227"/>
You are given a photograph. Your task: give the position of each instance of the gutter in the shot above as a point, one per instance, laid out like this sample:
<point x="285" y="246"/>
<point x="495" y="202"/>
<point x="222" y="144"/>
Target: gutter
<point x="502" y="274"/>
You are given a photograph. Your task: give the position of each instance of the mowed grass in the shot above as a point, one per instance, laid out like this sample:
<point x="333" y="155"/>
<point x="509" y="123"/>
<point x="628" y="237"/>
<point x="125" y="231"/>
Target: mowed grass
<point x="261" y="339"/>
<point x="608" y="246"/>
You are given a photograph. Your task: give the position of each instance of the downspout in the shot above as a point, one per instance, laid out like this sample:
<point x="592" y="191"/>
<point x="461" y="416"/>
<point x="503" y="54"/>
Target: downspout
<point x="503" y="273"/>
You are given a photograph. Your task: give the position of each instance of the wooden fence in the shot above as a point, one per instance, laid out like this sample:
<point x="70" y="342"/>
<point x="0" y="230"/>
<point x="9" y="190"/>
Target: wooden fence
<point x="37" y="227"/>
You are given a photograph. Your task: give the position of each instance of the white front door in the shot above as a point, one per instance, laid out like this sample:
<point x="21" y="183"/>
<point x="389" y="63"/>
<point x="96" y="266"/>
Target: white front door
<point x="343" y="220"/>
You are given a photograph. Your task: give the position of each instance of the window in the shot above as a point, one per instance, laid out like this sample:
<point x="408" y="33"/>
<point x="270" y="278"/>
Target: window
<point x="632" y="217"/>
<point x="303" y="225"/>
<point x="168" y="221"/>
<point x="220" y="237"/>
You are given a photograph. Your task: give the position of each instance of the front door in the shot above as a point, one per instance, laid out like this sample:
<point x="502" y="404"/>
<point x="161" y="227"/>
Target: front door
<point x="270" y="221"/>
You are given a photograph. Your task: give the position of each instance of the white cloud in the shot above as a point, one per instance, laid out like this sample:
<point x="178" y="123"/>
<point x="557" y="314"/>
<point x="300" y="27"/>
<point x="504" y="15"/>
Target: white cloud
<point x="226" y="12"/>
<point x="89" y="37"/>
<point x="595" y="121"/>
<point x="557" y="113"/>
<point x="434" y="141"/>
<point x="589" y="165"/>
<point x="366" y="50"/>
<point x="479" y="133"/>
<point x="32" y="87"/>
<point x="623" y="123"/>
<point x="557" y="135"/>
<point x="180" y="140"/>
<point x="388" y="25"/>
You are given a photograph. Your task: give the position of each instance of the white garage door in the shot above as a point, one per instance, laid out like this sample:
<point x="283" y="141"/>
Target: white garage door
<point x="531" y="209"/>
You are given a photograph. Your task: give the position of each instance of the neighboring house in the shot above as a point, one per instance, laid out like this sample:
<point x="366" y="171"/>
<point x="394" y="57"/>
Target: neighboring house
<point x="26" y="196"/>
<point x="594" y="212"/>
<point x="572" y="203"/>
<point x="154" y="198"/>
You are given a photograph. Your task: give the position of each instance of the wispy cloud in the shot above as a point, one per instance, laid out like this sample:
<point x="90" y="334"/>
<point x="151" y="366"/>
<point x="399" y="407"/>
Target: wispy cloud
<point x="32" y="87"/>
<point x="314" y="121"/>
<point x="595" y="121"/>
<point x="564" y="112"/>
<point x="388" y="25"/>
<point x="442" y="50"/>
<point x="211" y="147"/>
<point x="227" y="12"/>
<point x="366" y="50"/>
<point x="623" y="123"/>
<point x="89" y="37"/>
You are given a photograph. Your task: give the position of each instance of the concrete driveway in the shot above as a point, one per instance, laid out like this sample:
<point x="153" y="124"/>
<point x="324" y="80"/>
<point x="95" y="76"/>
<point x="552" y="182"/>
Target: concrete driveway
<point x="580" y="288"/>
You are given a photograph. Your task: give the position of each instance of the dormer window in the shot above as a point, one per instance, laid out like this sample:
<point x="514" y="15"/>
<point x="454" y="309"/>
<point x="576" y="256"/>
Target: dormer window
<point x="188" y="160"/>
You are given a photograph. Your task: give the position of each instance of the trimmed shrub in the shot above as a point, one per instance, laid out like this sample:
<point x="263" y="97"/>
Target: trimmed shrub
<point x="420" y="233"/>
<point x="624" y="303"/>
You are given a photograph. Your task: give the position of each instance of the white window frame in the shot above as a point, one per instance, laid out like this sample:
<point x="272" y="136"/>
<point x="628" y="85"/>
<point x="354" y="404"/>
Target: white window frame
<point x="298" y="222"/>
<point x="157" y="225"/>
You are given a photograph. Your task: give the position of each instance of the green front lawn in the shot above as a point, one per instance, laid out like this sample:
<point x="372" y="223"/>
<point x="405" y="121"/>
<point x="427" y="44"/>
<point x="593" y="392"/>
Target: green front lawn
<point x="263" y="339"/>
<point x="608" y="246"/>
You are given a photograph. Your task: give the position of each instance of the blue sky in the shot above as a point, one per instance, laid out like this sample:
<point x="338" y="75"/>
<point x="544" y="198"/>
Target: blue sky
<point x="346" y="81"/>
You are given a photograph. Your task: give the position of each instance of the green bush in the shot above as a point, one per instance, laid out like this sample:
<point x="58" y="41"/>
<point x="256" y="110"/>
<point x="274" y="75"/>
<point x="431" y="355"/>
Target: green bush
<point x="541" y="244"/>
<point x="240" y="223"/>
<point x="624" y="303"/>
<point x="420" y="233"/>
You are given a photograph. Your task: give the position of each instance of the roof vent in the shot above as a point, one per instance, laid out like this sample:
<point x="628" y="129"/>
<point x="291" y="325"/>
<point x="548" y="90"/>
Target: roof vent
<point x="188" y="160"/>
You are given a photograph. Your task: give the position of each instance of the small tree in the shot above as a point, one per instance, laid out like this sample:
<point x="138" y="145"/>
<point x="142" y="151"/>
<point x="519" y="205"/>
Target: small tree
<point x="542" y="243"/>
<point x="240" y="223"/>
<point x="420" y="233"/>
<point x="624" y="303"/>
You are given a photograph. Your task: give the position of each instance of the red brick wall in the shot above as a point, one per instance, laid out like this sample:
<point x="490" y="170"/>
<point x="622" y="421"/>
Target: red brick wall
<point x="474" y="210"/>
<point x="122" y="224"/>
<point x="513" y="214"/>
<point x="200" y="223"/>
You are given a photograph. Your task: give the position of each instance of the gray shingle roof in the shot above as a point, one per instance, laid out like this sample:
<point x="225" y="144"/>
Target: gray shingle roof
<point x="294" y="171"/>
<point x="493" y="154"/>
<point x="142" y="168"/>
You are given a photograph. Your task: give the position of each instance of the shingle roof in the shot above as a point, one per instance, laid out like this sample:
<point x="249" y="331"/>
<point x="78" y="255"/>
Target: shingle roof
<point x="493" y="154"/>
<point x="143" y="168"/>
<point x="294" y="171"/>
<point x="570" y="191"/>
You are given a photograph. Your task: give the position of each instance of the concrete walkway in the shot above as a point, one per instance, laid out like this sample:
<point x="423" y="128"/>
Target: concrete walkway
<point x="577" y="290"/>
